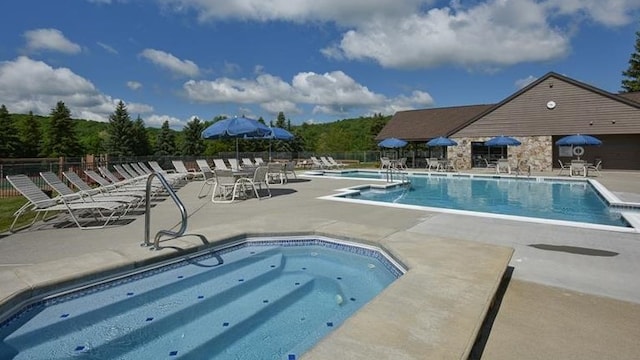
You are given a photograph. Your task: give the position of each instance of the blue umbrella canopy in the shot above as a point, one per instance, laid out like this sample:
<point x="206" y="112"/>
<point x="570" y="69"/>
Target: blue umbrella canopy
<point x="238" y="127"/>
<point x="578" y="140"/>
<point x="392" y="143"/>
<point x="441" y="141"/>
<point x="280" y="134"/>
<point x="502" y="141"/>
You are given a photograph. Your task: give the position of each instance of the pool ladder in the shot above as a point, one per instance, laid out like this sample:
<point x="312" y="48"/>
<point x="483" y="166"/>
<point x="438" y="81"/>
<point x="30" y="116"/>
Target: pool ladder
<point x="147" y="213"/>
<point x="400" y="175"/>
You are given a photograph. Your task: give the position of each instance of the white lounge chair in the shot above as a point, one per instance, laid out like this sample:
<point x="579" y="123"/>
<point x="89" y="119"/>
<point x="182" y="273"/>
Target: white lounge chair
<point x="326" y="162"/>
<point x="335" y="163"/>
<point x="181" y="168"/>
<point x="38" y="201"/>
<point x="235" y="165"/>
<point x="258" y="161"/>
<point x="220" y="164"/>
<point x="81" y="185"/>
<point x="64" y="191"/>
<point x="316" y="164"/>
<point x="503" y="165"/>
<point x="247" y="162"/>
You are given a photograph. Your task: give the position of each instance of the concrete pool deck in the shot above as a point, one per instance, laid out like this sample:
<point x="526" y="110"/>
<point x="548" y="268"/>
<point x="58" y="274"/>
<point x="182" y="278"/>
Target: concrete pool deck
<point x="555" y="304"/>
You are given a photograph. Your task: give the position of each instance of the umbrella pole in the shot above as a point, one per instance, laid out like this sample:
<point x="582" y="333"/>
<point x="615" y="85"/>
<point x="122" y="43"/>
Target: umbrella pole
<point x="237" y="151"/>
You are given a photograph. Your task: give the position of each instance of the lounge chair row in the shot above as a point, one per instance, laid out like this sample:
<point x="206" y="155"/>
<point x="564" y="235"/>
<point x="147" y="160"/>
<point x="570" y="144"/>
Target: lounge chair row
<point x="325" y="162"/>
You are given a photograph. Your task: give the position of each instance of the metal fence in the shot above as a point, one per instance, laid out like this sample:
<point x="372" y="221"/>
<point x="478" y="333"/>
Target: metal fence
<point x="33" y="167"/>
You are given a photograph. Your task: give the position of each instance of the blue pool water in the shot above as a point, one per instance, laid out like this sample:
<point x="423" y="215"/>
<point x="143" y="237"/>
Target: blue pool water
<point x="266" y="300"/>
<point x="575" y="201"/>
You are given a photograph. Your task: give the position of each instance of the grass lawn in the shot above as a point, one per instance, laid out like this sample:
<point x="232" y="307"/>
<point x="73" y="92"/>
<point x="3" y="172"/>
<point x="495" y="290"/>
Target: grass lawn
<point x="7" y="207"/>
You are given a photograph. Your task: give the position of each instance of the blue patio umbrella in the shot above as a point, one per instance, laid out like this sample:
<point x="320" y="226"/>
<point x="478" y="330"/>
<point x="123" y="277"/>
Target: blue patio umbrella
<point x="236" y="128"/>
<point x="441" y="141"/>
<point x="502" y="141"/>
<point x="579" y="140"/>
<point x="392" y="143"/>
<point x="278" y="134"/>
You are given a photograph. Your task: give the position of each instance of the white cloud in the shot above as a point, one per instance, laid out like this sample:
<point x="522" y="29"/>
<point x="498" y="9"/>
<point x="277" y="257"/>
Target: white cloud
<point x="107" y="48"/>
<point x="487" y="34"/>
<point x="497" y="33"/>
<point x="608" y="13"/>
<point x="51" y="40"/>
<point x="157" y="121"/>
<point x="30" y="85"/>
<point x="171" y="63"/>
<point x="134" y="85"/>
<point x="329" y="93"/>
<point x="520" y="83"/>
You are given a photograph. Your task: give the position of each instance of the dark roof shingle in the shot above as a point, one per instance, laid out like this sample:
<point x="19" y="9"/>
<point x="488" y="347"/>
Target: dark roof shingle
<point x="425" y="124"/>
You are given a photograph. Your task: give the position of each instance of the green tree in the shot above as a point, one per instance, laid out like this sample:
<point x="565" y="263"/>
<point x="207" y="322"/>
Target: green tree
<point x="121" y="140"/>
<point x="193" y="143"/>
<point x="281" y="121"/>
<point x="9" y="142"/>
<point x="632" y="74"/>
<point x="141" y="144"/>
<point x="30" y="136"/>
<point x="165" y="144"/>
<point x="61" y="139"/>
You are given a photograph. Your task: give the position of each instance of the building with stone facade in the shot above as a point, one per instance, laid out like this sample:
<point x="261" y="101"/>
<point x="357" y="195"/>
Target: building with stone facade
<point x="538" y="115"/>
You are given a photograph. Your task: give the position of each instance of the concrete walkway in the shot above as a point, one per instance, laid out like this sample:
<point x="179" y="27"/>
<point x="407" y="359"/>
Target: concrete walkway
<point x="575" y="304"/>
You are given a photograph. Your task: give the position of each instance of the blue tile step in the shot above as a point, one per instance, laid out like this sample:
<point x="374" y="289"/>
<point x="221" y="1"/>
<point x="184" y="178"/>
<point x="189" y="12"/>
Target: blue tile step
<point x="116" y="309"/>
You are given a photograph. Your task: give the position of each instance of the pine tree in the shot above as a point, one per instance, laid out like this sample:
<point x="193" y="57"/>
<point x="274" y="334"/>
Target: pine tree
<point x="281" y="121"/>
<point x="121" y="140"/>
<point x="193" y="143"/>
<point x="9" y="142"/>
<point x="141" y="144"/>
<point x="62" y="139"/>
<point x="165" y="145"/>
<point x="632" y="74"/>
<point x="30" y="136"/>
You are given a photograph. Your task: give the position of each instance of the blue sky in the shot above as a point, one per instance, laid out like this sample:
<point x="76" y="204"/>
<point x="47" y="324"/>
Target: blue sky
<point x="314" y="60"/>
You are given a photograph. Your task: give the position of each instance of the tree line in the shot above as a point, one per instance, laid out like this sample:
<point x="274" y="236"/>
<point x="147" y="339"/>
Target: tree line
<point x="30" y="136"/>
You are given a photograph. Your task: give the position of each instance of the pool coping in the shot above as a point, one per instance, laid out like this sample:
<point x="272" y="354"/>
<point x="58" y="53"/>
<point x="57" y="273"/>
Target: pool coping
<point x="633" y="218"/>
<point x="466" y="274"/>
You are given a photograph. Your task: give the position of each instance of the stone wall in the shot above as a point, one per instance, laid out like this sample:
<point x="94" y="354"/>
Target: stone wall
<point x="537" y="151"/>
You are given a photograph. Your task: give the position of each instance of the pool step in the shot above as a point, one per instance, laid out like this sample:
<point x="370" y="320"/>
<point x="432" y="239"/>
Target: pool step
<point x="61" y="321"/>
<point x="212" y="328"/>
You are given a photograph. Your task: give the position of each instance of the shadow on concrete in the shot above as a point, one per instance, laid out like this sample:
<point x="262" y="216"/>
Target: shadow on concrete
<point x="282" y="192"/>
<point x="575" y="250"/>
<point x="485" y="330"/>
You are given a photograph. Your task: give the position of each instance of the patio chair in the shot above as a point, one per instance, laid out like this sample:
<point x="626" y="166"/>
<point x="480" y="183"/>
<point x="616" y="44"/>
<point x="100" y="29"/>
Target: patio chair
<point x="563" y="167"/>
<point x="326" y="162"/>
<point x="275" y="172"/>
<point x="385" y="163"/>
<point x="225" y="187"/>
<point x="595" y="167"/>
<point x="290" y="168"/>
<point x="335" y="163"/>
<point x="503" y="165"/>
<point x="39" y="202"/>
<point x="63" y="190"/>
<point x="247" y="162"/>
<point x="577" y="168"/>
<point x="207" y="175"/>
<point x="489" y="165"/>
<point x="235" y="165"/>
<point x="181" y="168"/>
<point x="433" y="164"/>
<point x="259" y="178"/>
<point x="401" y="164"/>
<point x="316" y="164"/>
<point x="220" y="164"/>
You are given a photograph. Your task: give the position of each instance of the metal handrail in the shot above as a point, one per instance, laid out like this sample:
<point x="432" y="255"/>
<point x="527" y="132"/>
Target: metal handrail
<point x="147" y="213"/>
<point x="391" y="171"/>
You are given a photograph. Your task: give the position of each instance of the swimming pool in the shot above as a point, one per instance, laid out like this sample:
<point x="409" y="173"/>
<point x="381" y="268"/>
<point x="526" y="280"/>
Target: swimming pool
<point x="258" y="299"/>
<point x="563" y="201"/>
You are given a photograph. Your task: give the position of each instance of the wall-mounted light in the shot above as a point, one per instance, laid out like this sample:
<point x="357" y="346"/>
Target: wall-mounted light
<point x="590" y="122"/>
<point x="613" y="121"/>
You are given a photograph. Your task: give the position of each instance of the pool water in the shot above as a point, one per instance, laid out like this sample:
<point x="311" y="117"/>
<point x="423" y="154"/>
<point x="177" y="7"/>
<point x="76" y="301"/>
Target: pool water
<point x="575" y="201"/>
<point x="259" y="301"/>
